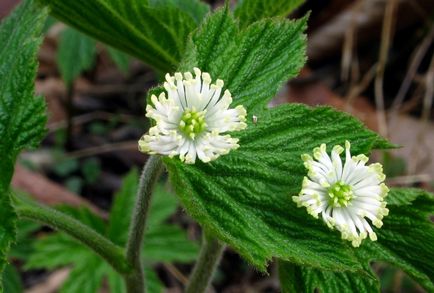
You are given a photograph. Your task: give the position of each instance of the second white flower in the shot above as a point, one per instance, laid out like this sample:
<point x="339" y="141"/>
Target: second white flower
<point x="345" y="195"/>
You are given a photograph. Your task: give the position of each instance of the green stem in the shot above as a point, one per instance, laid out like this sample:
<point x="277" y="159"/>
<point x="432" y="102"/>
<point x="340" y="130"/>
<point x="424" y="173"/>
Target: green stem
<point x="209" y="257"/>
<point x="112" y="253"/>
<point x="135" y="281"/>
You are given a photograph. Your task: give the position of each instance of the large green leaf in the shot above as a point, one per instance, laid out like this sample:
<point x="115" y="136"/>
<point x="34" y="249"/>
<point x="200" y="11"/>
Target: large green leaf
<point x="22" y="116"/>
<point x="405" y="241"/>
<point x="249" y="11"/>
<point x="154" y="34"/>
<point x="76" y="53"/>
<point x="244" y="198"/>
<point x="255" y="62"/>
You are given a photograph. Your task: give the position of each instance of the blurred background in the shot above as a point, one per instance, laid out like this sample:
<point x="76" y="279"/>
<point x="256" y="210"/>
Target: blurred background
<point x="371" y="58"/>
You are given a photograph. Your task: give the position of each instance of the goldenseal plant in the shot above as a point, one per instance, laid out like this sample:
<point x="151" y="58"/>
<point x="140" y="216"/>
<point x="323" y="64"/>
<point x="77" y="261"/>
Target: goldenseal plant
<point x="239" y="200"/>
<point x="192" y="119"/>
<point x="345" y="195"/>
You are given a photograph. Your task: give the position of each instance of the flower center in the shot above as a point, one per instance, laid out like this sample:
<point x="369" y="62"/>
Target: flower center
<point x="340" y="194"/>
<point x="192" y="122"/>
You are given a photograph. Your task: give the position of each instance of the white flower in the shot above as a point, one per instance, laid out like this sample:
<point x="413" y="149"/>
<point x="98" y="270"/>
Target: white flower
<point x="346" y="195"/>
<point x="192" y="119"/>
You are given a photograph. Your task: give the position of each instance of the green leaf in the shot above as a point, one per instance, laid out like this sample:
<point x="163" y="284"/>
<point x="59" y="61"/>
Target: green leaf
<point x="76" y="54"/>
<point x="297" y="279"/>
<point x="22" y="116"/>
<point x="122" y="209"/>
<point x="64" y="168"/>
<point x="56" y="250"/>
<point x="86" y="276"/>
<point x="12" y="280"/>
<point x="156" y="35"/>
<point x="407" y="236"/>
<point x="115" y="281"/>
<point x="244" y="198"/>
<point x="195" y="8"/>
<point x="121" y="60"/>
<point x="252" y="69"/>
<point x="169" y="243"/>
<point x="405" y="196"/>
<point x="163" y="205"/>
<point x="249" y="11"/>
<point x="91" y="170"/>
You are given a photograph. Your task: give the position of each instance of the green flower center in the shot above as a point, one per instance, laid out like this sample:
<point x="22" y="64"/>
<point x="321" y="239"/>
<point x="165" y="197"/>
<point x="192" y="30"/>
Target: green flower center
<point x="192" y="123"/>
<point x="340" y="194"/>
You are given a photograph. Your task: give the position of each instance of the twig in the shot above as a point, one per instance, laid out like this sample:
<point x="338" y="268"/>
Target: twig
<point x="69" y="105"/>
<point x="411" y="72"/>
<point x="361" y="86"/>
<point x="413" y="102"/>
<point x="114" y="89"/>
<point x="426" y="110"/>
<point x="106" y="148"/>
<point x="88" y="117"/>
<point x="409" y="179"/>
<point x="386" y="37"/>
<point x="176" y="273"/>
<point x="429" y="93"/>
<point x="348" y="44"/>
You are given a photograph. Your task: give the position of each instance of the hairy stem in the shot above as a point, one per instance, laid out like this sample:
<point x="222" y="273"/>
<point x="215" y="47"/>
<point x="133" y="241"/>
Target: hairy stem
<point x="209" y="257"/>
<point x="112" y="253"/>
<point x="135" y="281"/>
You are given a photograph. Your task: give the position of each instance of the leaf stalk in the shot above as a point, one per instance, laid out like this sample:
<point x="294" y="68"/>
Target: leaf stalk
<point x="203" y="271"/>
<point x="109" y="251"/>
<point x="135" y="281"/>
